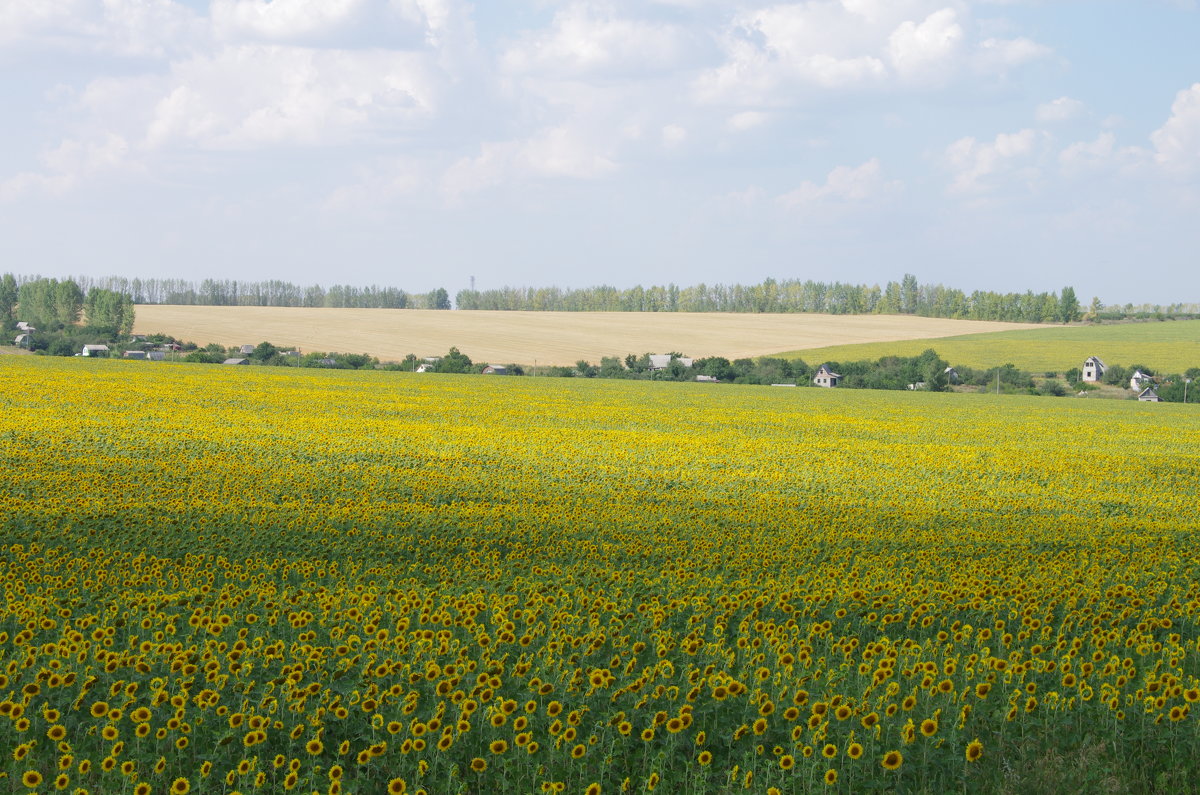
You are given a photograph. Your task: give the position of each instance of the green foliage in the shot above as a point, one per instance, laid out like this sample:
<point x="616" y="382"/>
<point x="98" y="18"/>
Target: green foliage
<point x="109" y="311"/>
<point x="453" y="362"/>
<point x="8" y="302"/>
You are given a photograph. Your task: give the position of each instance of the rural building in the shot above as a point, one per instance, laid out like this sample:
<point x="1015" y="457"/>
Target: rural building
<point x="424" y="368"/>
<point x="156" y="356"/>
<point x="952" y="375"/>
<point x="327" y="362"/>
<point x="495" y="369"/>
<point x="791" y="385"/>
<point x="94" y="350"/>
<point x="1093" y="369"/>
<point x="661" y="361"/>
<point x="23" y="326"/>
<point x="1148" y="395"/>
<point x="1139" y="380"/>
<point x="236" y="361"/>
<point x="826" y="377"/>
<point x="23" y="340"/>
<point x="710" y="379"/>
<point x="916" y="386"/>
<point x="134" y="355"/>
<point x="246" y="349"/>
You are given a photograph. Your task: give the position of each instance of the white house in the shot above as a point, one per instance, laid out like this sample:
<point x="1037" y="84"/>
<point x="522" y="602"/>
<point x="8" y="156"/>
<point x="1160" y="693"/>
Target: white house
<point x="661" y="361"/>
<point x="1093" y="369"/>
<point x="495" y="369"/>
<point x="425" y="368"/>
<point x="1139" y="380"/>
<point x="94" y="350"/>
<point x="1148" y="395"/>
<point x="826" y="377"/>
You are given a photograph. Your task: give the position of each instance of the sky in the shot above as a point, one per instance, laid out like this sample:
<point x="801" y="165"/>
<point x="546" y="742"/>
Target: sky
<point x="1007" y="145"/>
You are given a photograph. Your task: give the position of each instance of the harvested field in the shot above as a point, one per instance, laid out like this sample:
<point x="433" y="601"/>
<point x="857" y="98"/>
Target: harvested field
<point x="560" y="338"/>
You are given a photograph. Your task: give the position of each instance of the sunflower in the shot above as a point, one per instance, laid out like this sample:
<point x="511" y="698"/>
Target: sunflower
<point x="829" y="751"/>
<point x="974" y="750"/>
<point x="892" y="760"/>
<point x="578" y="751"/>
<point x="929" y="727"/>
<point x="843" y="712"/>
<point x="704" y="757"/>
<point x="397" y="786"/>
<point x="478" y="765"/>
<point x="31" y="779"/>
<point x="314" y="746"/>
<point x="830" y="777"/>
<point x="180" y="786"/>
<point x="787" y="762"/>
<point x="854" y="750"/>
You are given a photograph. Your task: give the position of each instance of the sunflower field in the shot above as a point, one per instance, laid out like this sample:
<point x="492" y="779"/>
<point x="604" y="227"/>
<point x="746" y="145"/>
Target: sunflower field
<point x="223" y="580"/>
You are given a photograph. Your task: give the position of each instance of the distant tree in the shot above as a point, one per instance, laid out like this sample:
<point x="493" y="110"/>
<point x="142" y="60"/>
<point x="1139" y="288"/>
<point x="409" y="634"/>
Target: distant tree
<point x="264" y="352"/>
<point x="585" y="369"/>
<point x="1068" y="305"/>
<point x="8" y="300"/>
<point x="453" y="362"/>
<point x="611" y="367"/>
<point x="438" y="299"/>
<point x="1074" y="376"/>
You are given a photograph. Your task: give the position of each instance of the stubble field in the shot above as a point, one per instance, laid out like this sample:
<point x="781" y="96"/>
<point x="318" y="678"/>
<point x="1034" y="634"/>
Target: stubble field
<point x="560" y="338"/>
<point x="244" y="579"/>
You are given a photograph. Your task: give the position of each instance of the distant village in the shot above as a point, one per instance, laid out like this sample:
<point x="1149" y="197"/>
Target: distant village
<point x="926" y="372"/>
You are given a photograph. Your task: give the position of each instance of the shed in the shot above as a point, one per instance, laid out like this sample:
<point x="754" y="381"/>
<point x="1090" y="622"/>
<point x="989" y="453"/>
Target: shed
<point x="236" y="361"/>
<point x="246" y="349"/>
<point x="156" y="356"/>
<point x="23" y="326"/>
<point x="23" y="340"/>
<point x="95" y="350"/>
<point x="952" y="375"/>
<point x="709" y="379"/>
<point x="1139" y="380"/>
<point x="1093" y="369"/>
<point x="134" y="355"/>
<point x="826" y="377"/>
<point x="424" y="368"/>
<point x="495" y="369"/>
<point x="1148" y="395"/>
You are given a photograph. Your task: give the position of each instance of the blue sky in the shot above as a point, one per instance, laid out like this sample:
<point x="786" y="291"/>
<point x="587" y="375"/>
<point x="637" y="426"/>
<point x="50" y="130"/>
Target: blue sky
<point x="985" y="145"/>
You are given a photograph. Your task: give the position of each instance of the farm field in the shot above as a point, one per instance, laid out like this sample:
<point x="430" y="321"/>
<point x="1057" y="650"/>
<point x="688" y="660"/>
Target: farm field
<point x="557" y="338"/>
<point x="268" y="579"/>
<point x="1168" y="347"/>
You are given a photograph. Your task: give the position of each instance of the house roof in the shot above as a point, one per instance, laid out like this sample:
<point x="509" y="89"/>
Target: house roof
<point x="1148" y="394"/>
<point x="1095" y="359"/>
<point x="236" y="361"/>
<point x="824" y="369"/>
<point x="95" y="347"/>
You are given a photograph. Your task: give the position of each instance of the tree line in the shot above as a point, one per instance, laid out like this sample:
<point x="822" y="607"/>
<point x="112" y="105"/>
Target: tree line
<point x="272" y="292"/>
<point x="52" y="305"/>
<point x="907" y="296"/>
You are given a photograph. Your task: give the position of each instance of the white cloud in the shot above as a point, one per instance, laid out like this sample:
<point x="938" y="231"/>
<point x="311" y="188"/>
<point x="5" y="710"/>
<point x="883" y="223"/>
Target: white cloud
<point x="747" y="120"/>
<point x="561" y="151"/>
<point x="581" y="41"/>
<point x="843" y="184"/>
<point x="65" y="166"/>
<point x="255" y="95"/>
<point x="1177" y="142"/>
<point x="921" y="51"/>
<point x="1000" y="55"/>
<point x="673" y="135"/>
<point x="973" y="162"/>
<point x="1088" y="155"/>
<point x="1059" y="110"/>
<point x="115" y="27"/>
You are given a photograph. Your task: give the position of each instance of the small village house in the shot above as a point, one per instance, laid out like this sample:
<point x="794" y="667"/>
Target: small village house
<point x="94" y="350"/>
<point x="1093" y="369"/>
<point x="23" y="340"/>
<point x="156" y="356"/>
<point x="1148" y="395"/>
<point x="134" y="355"/>
<point x="246" y="350"/>
<point x="826" y="377"/>
<point x="1140" y="380"/>
<point x="236" y="361"/>
<point x="661" y="361"/>
<point x="495" y="369"/>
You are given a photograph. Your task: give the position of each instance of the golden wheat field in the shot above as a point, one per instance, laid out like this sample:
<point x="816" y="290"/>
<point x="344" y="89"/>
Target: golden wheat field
<point x="560" y="338"/>
<point x="222" y="580"/>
